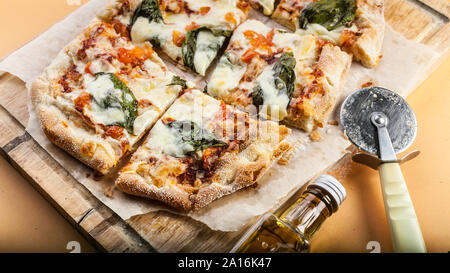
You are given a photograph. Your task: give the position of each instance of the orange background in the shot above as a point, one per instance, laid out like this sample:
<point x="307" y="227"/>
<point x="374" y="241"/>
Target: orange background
<point x="28" y="223"/>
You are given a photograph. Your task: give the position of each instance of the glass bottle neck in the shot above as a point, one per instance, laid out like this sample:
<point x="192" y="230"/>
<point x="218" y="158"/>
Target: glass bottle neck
<point x="308" y="213"/>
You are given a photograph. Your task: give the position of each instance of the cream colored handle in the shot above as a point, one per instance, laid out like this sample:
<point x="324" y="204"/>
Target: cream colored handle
<point x="403" y="225"/>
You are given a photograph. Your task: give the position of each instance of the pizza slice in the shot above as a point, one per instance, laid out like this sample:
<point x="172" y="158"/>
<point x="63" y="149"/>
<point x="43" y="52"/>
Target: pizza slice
<point x="190" y="32"/>
<point x="201" y="150"/>
<point x="101" y="94"/>
<point x="355" y="25"/>
<point x="280" y="75"/>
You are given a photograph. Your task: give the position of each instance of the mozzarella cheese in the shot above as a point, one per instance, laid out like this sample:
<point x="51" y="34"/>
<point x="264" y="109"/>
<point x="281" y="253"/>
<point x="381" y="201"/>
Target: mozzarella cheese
<point x="107" y="116"/>
<point x="206" y="50"/>
<point x="321" y="32"/>
<point x="275" y="102"/>
<point x="267" y="5"/>
<point x="99" y="89"/>
<point x="143" y="30"/>
<point x="226" y="76"/>
<point x="144" y="121"/>
<point x="285" y="39"/>
<point x="306" y="50"/>
<point x="163" y="139"/>
<point x="193" y="106"/>
<point x="215" y="17"/>
<point x="253" y="25"/>
<point x="156" y="90"/>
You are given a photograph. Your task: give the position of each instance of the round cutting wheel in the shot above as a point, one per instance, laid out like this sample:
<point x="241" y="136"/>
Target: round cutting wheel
<point x="356" y="113"/>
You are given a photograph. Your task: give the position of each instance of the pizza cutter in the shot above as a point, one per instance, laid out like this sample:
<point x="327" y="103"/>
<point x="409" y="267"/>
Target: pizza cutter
<point x="380" y="122"/>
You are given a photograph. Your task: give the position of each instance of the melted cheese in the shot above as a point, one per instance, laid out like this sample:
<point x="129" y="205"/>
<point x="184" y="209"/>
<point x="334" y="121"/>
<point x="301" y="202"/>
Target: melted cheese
<point x="99" y="65"/>
<point x="145" y="121"/>
<point x="143" y="30"/>
<point x="156" y="90"/>
<point x="207" y="47"/>
<point x="214" y="18"/>
<point x="306" y="50"/>
<point x="125" y="19"/>
<point x="275" y="102"/>
<point x="104" y="116"/>
<point x="194" y="106"/>
<point x="321" y="32"/>
<point x="164" y="139"/>
<point x="267" y="5"/>
<point x="217" y="18"/>
<point x="253" y="25"/>
<point x="197" y="4"/>
<point x="99" y="90"/>
<point x="284" y="39"/>
<point x="225" y="77"/>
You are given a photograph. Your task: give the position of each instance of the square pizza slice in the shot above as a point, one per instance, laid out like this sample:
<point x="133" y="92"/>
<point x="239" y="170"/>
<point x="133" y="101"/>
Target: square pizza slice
<point x="280" y="75"/>
<point x="101" y="94"/>
<point x="190" y="32"/>
<point x="201" y="150"/>
<point x="355" y="25"/>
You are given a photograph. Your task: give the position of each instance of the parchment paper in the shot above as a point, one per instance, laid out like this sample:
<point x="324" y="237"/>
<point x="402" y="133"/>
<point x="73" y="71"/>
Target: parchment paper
<point x="402" y="68"/>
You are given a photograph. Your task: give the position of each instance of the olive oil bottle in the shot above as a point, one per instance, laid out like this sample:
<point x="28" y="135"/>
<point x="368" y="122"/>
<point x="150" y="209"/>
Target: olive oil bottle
<point x="292" y="230"/>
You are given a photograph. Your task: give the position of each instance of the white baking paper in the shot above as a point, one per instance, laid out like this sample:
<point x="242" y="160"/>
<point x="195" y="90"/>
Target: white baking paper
<point x="402" y="68"/>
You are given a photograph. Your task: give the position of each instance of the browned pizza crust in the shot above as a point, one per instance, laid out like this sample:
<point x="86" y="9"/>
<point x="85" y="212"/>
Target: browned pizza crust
<point x="135" y="184"/>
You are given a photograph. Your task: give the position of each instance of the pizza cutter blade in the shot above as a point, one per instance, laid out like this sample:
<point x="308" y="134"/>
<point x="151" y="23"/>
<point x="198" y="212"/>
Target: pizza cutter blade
<point x="380" y="122"/>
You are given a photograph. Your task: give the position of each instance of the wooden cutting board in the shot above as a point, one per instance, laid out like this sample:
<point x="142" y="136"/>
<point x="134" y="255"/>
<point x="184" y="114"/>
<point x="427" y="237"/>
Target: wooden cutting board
<point x="425" y="21"/>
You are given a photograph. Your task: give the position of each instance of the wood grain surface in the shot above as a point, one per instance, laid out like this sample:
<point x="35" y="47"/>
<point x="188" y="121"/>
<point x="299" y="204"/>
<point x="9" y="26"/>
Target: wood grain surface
<point x="426" y="22"/>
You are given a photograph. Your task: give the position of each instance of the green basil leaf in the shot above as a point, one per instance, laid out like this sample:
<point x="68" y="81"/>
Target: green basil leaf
<point x="190" y="44"/>
<point x="284" y="78"/>
<point x="148" y="9"/>
<point x="189" y="47"/>
<point x="258" y="96"/>
<point x="221" y="32"/>
<point x="127" y="102"/>
<point x="179" y="81"/>
<point x="155" y="41"/>
<point x="284" y="72"/>
<point x="191" y="133"/>
<point x="328" y="13"/>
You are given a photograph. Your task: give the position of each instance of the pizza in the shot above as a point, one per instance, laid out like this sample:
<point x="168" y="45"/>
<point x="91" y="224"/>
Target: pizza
<point x="108" y="89"/>
<point x="191" y="32"/>
<point x="201" y="150"/>
<point x="280" y="75"/>
<point x="102" y="94"/>
<point x="355" y="25"/>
